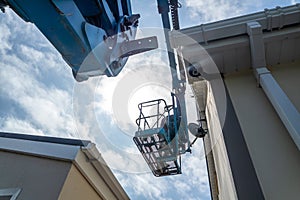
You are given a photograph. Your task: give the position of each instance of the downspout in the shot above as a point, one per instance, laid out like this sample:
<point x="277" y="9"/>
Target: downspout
<point x="285" y="109"/>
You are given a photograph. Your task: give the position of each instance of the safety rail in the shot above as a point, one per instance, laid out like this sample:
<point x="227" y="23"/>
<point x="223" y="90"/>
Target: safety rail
<point x="157" y="136"/>
<point x="151" y="121"/>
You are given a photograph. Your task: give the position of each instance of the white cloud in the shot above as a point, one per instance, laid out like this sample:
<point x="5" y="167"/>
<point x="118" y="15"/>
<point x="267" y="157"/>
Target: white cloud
<point x="146" y="186"/>
<point x="294" y="2"/>
<point x="48" y="107"/>
<point x="31" y="54"/>
<point x="131" y="163"/>
<point x="192" y="184"/>
<point x="11" y="124"/>
<point x="212" y="10"/>
<point x="5" y="33"/>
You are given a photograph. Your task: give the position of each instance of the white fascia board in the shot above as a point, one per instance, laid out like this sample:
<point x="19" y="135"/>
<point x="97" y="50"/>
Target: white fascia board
<point x="239" y="43"/>
<point x="40" y="149"/>
<point x="243" y="41"/>
<point x="269" y="19"/>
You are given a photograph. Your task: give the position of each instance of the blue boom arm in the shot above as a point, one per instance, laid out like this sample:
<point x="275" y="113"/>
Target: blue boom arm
<point x="95" y="37"/>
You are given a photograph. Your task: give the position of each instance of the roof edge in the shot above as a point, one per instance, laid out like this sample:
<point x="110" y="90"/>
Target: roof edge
<point x="269" y="19"/>
<point x="47" y="139"/>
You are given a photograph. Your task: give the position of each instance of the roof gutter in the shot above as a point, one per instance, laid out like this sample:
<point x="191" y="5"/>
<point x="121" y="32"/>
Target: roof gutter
<point x="271" y="19"/>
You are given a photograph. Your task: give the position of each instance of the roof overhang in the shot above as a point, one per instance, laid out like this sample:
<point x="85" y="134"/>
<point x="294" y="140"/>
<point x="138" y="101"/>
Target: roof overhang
<point x="227" y="41"/>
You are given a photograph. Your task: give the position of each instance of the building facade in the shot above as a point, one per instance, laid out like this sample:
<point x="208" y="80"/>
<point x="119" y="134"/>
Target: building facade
<point x="247" y="87"/>
<point x="48" y="168"/>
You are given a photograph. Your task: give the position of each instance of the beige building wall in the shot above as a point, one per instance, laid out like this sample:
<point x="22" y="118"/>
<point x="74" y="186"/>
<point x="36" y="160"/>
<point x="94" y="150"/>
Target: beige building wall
<point x="263" y="156"/>
<point x="274" y="154"/>
<point x="288" y="77"/>
<point x="38" y="178"/>
<point x="32" y="168"/>
<point x="102" y="179"/>
<point x="77" y="187"/>
<point x="225" y="185"/>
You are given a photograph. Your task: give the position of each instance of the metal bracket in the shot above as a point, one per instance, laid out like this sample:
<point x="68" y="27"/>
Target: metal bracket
<point x="259" y="72"/>
<point x="254" y="30"/>
<point x="199" y="130"/>
<point x="133" y="47"/>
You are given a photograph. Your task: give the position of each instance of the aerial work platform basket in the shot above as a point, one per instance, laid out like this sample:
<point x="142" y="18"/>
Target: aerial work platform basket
<point x="160" y="137"/>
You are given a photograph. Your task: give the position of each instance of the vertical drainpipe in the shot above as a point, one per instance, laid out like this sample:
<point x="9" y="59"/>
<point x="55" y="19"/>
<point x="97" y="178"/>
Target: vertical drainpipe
<point x="285" y="109"/>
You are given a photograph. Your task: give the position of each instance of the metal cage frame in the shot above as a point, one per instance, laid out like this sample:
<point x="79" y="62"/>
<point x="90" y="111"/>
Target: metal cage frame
<point x="157" y="137"/>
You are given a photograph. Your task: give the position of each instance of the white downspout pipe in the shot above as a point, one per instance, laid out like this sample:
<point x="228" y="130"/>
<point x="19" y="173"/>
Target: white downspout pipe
<point x="285" y="109"/>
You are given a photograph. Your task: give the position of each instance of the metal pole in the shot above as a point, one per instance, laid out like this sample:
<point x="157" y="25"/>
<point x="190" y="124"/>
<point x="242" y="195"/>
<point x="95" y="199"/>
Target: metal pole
<point x="179" y="90"/>
<point x="163" y="9"/>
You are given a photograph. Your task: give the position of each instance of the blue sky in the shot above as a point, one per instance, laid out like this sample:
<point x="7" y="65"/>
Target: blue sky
<point x="39" y="96"/>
